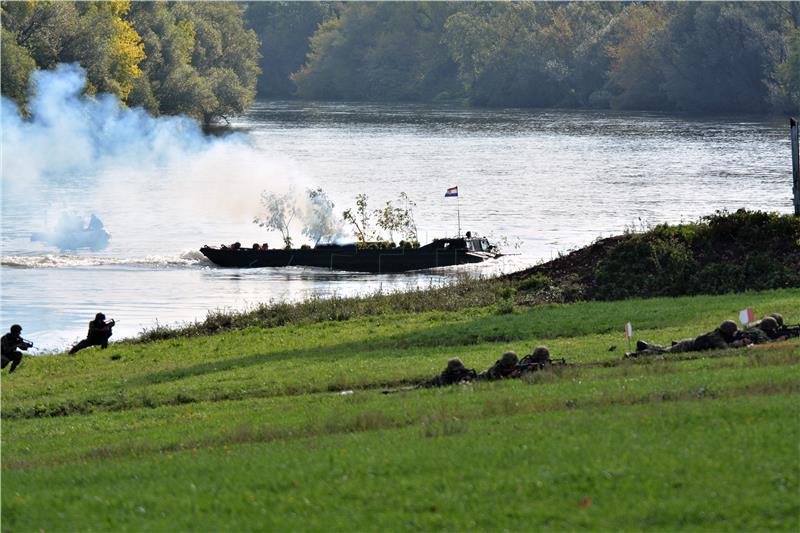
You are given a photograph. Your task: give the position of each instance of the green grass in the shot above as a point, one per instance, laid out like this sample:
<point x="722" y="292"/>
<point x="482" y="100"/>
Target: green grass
<point x="248" y="430"/>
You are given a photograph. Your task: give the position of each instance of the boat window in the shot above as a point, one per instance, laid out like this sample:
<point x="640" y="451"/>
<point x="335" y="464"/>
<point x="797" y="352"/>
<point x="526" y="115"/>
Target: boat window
<point x="447" y="245"/>
<point x="470" y="245"/>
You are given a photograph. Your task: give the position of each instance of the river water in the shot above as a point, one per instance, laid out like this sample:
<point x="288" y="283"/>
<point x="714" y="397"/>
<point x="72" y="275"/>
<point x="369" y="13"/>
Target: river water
<point x="547" y="181"/>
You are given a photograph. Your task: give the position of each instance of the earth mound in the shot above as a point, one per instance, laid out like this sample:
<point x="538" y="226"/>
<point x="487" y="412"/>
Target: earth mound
<point x="723" y="252"/>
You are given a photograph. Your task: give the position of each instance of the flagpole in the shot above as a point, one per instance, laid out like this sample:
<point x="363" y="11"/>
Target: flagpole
<point x="458" y="210"/>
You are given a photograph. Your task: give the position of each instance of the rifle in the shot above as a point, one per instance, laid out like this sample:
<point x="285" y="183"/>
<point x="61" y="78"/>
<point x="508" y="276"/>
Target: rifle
<point x="528" y="364"/>
<point x="25" y="344"/>
<point x="788" y="331"/>
<point x="402" y="389"/>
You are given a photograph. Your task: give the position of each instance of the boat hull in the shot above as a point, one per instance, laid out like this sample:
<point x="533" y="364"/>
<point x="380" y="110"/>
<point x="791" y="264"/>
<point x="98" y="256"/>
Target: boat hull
<point x="350" y="259"/>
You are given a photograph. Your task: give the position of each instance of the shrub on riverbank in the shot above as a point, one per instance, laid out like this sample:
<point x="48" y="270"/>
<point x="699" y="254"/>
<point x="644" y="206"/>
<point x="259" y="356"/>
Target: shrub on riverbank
<point x="724" y="252"/>
<point x="465" y="292"/>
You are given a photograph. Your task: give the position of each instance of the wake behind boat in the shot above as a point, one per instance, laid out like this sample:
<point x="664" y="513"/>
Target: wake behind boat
<point x="364" y="257"/>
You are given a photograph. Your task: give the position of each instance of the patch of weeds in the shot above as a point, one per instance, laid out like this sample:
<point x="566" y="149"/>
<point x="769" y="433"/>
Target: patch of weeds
<point x="184" y="398"/>
<point x="366" y="421"/>
<point x="505" y="301"/>
<point x="543" y="376"/>
<point x="100" y="453"/>
<point x="149" y="401"/>
<point x="500" y="406"/>
<point x="371" y="420"/>
<point x="241" y="434"/>
<point x="705" y="392"/>
<point x="442" y="425"/>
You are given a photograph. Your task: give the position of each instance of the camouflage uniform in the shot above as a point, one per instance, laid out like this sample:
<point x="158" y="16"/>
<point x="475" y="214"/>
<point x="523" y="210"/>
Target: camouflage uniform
<point x="778" y="318"/>
<point x="503" y="368"/>
<point x="455" y="372"/>
<point x="719" y="339"/>
<point x="536" y="360"/>
<point x="762" y="332"/>
<point x="540" y="355"/>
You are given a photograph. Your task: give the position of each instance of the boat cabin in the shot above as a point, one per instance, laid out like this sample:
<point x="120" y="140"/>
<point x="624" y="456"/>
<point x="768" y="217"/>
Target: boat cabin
<point x="471" y="244"/>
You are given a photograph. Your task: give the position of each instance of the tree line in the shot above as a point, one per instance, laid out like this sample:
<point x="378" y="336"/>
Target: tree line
<point x="193" y="58"/>
<point x="688" y="56"/>
<point x="210" y="59"/>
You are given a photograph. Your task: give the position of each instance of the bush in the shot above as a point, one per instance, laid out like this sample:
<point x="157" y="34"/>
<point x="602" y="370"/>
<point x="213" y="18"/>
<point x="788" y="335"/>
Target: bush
<point x="721" y="253"/>
<point x="724" y="252"/>
<point x="536" y="282"/>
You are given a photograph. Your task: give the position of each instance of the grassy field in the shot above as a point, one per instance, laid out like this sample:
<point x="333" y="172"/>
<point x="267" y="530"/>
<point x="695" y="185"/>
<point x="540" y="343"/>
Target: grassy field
<point x="249" y="430"/>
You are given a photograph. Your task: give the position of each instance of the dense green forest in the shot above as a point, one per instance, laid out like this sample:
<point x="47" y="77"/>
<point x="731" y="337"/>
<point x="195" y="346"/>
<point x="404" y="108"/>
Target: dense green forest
<point x="209" y="60"/>
<point x="193" y="58"/>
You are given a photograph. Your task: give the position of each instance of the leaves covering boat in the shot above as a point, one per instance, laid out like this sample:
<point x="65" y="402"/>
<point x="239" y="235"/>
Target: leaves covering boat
<point x="367" y="257"/>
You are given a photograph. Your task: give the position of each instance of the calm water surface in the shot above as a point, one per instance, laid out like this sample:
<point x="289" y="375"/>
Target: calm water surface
<point x="547" y="180"/>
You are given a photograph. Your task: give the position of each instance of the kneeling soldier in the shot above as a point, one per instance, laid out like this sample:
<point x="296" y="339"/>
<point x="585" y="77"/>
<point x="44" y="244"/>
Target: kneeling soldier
<point x="8" y="347"/>
<point x="98" y="335"/>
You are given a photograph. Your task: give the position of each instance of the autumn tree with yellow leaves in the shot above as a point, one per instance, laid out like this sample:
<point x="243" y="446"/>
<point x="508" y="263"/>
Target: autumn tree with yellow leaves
<point x="195" y="59"/>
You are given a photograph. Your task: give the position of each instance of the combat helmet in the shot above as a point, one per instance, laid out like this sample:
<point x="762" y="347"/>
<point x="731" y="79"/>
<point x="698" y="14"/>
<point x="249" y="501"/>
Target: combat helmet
<point x="778" y="318"/>
<point x="728" y="328"/>
<point x="768" y="324"/>
<point x="455" y="364"/>
<point x="99" y="316"/>
<point x="540" y="354"/>
<point x="509" y="359"/>
<point x="16" y="328"/>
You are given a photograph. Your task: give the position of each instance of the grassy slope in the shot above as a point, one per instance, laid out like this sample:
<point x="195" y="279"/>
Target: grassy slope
<point x="241" y="431"/>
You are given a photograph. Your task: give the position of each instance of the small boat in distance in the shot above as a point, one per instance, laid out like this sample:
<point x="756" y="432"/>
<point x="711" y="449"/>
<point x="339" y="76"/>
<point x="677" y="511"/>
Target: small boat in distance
<point x="366" y="257"/>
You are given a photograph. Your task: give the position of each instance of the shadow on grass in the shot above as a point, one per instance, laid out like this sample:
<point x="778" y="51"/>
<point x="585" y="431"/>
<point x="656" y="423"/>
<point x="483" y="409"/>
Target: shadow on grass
<point x="485" y="330"/>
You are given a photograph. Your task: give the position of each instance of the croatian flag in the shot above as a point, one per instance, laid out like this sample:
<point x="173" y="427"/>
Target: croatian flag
<point x="746" y="316"/>
<point x="452" y="191"/>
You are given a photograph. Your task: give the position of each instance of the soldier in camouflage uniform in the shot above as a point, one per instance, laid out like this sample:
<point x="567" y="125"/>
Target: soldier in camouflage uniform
<point x="455" y="372"/>
<point x="778" y="318"/>
<point x="537" y="360"/>
<point x="761" y="332"/>
<point x="725" y="336"/>
<point x="503" y="368"/>
<point x="540" y="355"/>
<point x="782" y="332"/>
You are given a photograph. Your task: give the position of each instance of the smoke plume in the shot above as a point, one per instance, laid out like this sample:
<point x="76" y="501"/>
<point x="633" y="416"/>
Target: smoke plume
<point x="73" y="233"/>
<point x="90" y="154"/>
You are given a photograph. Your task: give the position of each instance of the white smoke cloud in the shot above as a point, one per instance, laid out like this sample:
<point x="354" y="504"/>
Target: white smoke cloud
<point x="321" y="224"/>
<point x="165" y="165"/>
<point x="72" y="232"/>
<point x="68" y="132"/>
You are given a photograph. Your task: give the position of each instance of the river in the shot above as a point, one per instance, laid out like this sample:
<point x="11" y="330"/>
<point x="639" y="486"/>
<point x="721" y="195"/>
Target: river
<point x="546" y="181"/>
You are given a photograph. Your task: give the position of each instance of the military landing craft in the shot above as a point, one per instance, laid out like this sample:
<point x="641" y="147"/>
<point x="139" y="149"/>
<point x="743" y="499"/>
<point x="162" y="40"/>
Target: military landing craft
<point x="363" y="257"/>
